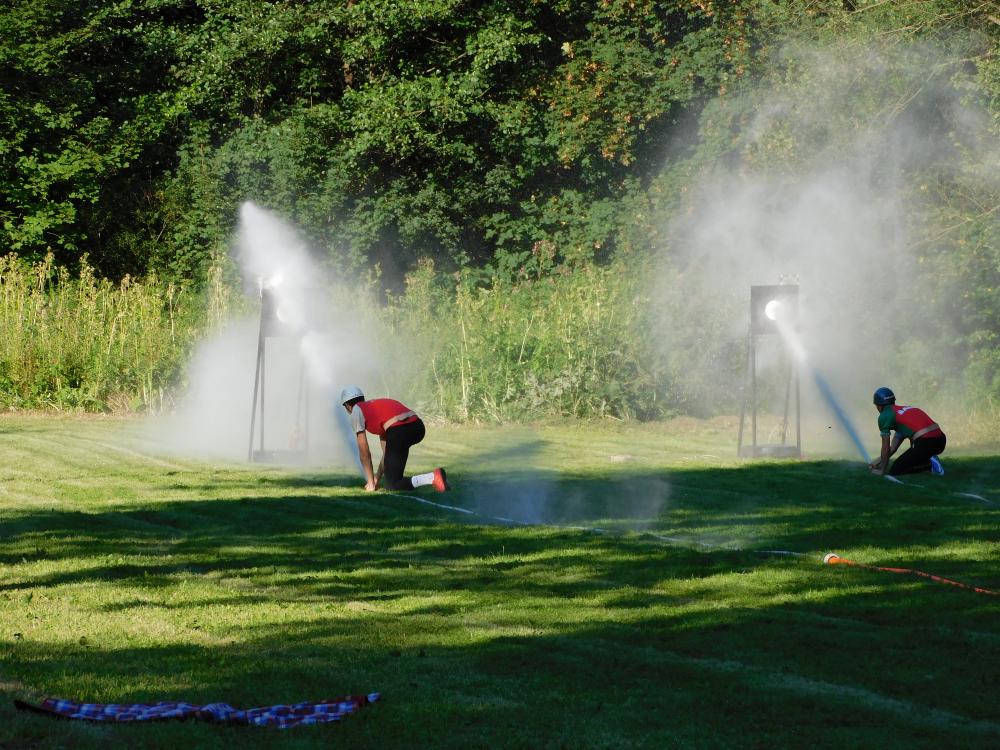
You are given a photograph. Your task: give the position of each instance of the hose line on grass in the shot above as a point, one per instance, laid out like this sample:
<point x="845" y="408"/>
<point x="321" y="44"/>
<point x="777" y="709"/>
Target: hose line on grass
<point x="597" y="530"/>
<point x="835" y="559"/>
<point x="830" y="559"/>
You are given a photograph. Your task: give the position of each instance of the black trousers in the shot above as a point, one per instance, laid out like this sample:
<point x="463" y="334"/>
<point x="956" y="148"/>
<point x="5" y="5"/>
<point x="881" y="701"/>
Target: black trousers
<point x="398" y="440"/>
<point x="918" y="457"/>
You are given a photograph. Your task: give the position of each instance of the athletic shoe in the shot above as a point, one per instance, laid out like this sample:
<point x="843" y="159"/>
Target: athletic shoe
<point x="441" y="480"/>
<point x="936" y="466"/>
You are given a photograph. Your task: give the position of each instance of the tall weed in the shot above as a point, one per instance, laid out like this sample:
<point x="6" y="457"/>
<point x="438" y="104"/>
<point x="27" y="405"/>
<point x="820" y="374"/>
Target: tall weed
<point x="531" y="342"/>
<point x="520" y="341"/>
<point x="88" y="343"/>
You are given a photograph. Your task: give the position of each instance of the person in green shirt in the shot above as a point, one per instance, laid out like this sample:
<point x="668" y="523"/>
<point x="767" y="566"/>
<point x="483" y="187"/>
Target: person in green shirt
<point x="927" y="439"/>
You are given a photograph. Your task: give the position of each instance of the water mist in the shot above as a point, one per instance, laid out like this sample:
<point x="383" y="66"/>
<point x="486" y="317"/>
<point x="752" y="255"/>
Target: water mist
<point x="330" y="346"/>
<point x="822" y="185"/>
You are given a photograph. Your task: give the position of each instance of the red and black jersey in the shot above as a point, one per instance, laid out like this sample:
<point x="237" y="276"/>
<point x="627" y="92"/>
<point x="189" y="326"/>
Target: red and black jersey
<point x="906" y="421"/>
<point x="378" y="411"/>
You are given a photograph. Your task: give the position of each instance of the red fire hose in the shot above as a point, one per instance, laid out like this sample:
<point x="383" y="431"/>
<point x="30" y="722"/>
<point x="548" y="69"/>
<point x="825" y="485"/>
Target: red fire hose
<point x="835" y="559"/>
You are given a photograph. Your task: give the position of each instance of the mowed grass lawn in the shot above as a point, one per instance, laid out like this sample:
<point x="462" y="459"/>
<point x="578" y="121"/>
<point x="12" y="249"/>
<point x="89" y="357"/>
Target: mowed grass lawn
<point x="126" y="576"/>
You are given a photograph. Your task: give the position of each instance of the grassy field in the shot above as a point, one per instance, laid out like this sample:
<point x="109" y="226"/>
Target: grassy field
<point x="131" y="576"/>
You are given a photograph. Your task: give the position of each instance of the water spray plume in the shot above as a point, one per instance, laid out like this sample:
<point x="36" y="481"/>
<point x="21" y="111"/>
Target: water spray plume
<point x="847" y="214"/>
<point x="845" y="422"/>
<point x="794" y="343"/>
<point x="270" y="282"/>
<point x="329" y="338"/>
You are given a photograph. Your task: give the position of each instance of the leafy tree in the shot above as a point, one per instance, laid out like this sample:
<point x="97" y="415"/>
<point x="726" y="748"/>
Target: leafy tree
<point x="86" y="124"/>
<point x="390" y="130"/>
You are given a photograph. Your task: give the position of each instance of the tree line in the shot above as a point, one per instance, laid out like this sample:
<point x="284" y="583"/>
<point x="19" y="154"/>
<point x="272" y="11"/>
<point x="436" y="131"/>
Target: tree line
<point x="473" y="135"/>
<point x="387" y="130"/>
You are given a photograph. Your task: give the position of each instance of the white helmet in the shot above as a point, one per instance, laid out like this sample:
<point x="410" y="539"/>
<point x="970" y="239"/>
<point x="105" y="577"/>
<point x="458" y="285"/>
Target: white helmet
<point x="350" y="393"/>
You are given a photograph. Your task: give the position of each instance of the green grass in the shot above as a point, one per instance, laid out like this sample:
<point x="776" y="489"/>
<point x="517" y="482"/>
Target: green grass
<point x="128" y="576"/>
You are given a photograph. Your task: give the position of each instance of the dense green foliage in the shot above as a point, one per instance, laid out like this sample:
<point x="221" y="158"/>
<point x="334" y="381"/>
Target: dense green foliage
<point x="472" y="137"/>
<point x="127" y="577"/>
<point x="389" y="130"/>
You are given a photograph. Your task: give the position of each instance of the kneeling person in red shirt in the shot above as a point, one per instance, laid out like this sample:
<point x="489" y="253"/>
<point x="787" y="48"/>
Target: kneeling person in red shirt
<point x="927" y="440"/>
<point x="398" y="427"/>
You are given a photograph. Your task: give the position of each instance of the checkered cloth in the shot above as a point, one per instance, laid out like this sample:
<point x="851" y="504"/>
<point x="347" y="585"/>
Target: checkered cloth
<point x="281" y="716"/>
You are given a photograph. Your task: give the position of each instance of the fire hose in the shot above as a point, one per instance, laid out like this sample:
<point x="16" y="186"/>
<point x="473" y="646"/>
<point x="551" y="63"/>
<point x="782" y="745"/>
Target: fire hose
<point x="835" y="559"/>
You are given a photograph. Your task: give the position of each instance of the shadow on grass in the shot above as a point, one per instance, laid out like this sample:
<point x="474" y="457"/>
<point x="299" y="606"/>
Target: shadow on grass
<point x="677" y="675"/>
<point x="532" y="636"/>
<point x="800" y="507"/>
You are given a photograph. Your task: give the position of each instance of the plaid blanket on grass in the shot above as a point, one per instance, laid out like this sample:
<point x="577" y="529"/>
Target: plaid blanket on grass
<point x="281" y="716"/>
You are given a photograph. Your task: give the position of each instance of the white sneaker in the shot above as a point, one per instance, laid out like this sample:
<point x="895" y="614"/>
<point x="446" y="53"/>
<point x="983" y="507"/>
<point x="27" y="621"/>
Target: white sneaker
<point x="936" y="466"/>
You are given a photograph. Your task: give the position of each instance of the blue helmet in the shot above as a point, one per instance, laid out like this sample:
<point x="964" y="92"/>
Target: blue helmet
<point x="350" y="393"/>
<point x="884" y="396"/>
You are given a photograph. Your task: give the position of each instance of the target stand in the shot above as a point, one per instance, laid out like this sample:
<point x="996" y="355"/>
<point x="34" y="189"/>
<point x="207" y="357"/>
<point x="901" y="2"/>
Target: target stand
<point x="296" y="447"/>
<point x="766" y="303"/>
